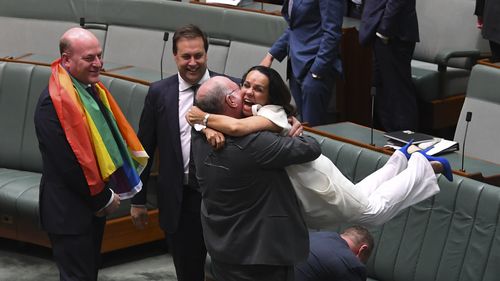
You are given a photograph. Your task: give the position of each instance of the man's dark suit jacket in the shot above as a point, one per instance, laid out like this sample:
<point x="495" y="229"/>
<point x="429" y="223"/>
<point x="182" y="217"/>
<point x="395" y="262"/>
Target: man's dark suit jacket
<point x="250" y="213"/>
<point x="159" y="128"/>
<point x="66" y="206"/>
<point x="330" y="258"/>
<point x="391" y="18"/>
<point x="312" y="39"/>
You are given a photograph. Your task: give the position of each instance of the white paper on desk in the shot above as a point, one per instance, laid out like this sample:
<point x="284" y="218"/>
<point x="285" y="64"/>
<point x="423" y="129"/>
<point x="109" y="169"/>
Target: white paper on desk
<point x="227" y="2"/>
<point x="441" y="146"/>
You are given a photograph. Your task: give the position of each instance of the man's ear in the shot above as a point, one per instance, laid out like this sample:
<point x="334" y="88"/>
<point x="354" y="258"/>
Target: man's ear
<point x="230" y="101"/>
<point x="362" y="253"/>
<point x="65" y="60"/>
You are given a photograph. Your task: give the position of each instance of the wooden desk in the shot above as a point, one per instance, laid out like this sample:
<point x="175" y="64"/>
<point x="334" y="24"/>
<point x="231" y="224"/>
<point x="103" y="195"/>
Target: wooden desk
<point x="488" y="63"/>
<point x="475" y="168"/>
<point x="353" y="90"/>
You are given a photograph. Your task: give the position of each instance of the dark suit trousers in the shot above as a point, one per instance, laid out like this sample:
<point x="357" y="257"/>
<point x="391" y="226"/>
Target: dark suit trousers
<point x="495" y="51"/>
<point x="312" y="98"/>
<point x="251" y="272"/>
<point x="186" y="245"/>
<point x="78" y="257"/>
<point x="395" y="100"/>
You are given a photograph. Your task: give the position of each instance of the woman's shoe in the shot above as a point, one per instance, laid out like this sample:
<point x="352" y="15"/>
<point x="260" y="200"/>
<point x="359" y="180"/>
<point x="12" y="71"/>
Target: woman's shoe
<point x="444" y="162"/>
<point x="404" y="149"/>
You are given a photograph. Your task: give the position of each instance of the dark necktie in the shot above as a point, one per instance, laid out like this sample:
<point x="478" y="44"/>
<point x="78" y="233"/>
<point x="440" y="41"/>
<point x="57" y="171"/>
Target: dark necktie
<point x="192" y="181"/>
<point x="195" y="89"/>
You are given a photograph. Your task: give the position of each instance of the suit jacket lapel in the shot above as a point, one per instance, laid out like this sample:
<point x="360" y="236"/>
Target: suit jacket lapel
<point x="171" y="107"/>
<point x="284" y="11"/>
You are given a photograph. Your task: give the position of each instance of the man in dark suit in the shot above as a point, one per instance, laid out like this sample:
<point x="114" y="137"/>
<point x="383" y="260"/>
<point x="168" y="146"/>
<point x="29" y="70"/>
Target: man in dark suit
<point x="312" y="43"/>
<point x="336" y="257"/>
<point x="252" y="222"/>
<point x="71" y="211"/>
<point x="391" y="28"/>
<point x="487" y="12"/>
<point x="163" y="126"/>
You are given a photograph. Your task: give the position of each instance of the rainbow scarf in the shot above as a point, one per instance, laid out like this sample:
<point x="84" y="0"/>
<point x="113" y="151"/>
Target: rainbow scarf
<point x="108" y="151"/>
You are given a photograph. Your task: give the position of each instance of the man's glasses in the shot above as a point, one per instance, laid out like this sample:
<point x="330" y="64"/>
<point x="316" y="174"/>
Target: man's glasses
<point x="232" y="92"/>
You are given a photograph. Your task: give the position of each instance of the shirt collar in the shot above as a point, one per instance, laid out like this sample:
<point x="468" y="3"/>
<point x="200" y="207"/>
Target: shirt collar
<point x="184" y="86"/>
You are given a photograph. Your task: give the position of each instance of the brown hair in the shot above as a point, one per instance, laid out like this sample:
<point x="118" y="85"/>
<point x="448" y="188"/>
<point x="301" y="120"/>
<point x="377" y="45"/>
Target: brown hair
<point x="189" y="31"/>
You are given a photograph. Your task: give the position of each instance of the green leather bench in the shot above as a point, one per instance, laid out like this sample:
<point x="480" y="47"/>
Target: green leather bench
<point x="452" y="236"/>
<point x="131" y="33"/>
<point x="20" y="161"/>
<point x="483" y="101"/>
<point x="442" y="60"/>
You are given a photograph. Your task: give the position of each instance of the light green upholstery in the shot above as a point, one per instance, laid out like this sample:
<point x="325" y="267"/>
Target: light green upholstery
<point x="448" y="47"/>
<point x="37" y="36"/>
<point x="138" y="47"/>
<point x="20" y="161"/>
<point x="451" y="236"/>
<point x="242" y="56"/>
<point x="131" y="33"/>
<point x="238" y="39"/>
<point x="20" y="85"/>
<point x="440" y="69"/>
<point x="217" y="54"/>
<point x="432" y="84"/>
<point x="483" y="101"/>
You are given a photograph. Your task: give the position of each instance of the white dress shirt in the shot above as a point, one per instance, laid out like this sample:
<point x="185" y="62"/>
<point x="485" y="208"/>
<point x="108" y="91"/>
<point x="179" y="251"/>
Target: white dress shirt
<point x="186" y="96"/>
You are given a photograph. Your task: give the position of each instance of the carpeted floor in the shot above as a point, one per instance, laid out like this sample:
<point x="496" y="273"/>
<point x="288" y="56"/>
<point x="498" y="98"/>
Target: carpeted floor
<point x="27" y="262"/>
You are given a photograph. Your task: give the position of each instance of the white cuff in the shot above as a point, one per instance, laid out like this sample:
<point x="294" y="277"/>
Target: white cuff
<point x="110" y="200"/>
<point x="381" y="36"/>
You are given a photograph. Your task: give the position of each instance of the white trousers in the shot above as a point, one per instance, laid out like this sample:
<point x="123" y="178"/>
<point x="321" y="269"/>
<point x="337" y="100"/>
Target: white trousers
<point x="329" y="198"/>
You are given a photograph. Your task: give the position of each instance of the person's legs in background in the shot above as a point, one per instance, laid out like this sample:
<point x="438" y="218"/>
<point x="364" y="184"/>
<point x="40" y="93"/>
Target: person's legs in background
<point x="395" y="100"/>
<point x="312" y="97"/>
<point x="354" y="10"/>
<point x="186" y="245"/>
<point x="495" y="51"/>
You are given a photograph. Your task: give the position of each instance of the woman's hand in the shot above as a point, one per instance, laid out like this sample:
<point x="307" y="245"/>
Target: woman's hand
<point x="215" y="138"/>
<point x="296" y="129"/>
<point x="195" y="115"/>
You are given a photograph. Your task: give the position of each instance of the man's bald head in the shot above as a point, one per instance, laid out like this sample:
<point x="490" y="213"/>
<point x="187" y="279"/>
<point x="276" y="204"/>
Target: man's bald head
<point x="81" y="55"/>
<point x="220" y="95"/>
<point x="74" y="35"/>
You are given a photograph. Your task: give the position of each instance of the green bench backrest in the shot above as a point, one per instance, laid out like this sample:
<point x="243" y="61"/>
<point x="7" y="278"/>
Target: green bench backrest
<point x="20" y="87"/>
<point x="454" y="235"/>
<point x="483" y="101"/>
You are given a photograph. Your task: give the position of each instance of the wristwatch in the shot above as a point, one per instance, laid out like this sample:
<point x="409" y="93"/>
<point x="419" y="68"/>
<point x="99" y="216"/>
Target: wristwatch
<point x="205" y="119"/>
<point x="199" y="127"/>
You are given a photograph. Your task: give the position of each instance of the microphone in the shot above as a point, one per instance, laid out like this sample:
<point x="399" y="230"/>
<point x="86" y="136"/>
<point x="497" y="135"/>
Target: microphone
<point x="165" y="39"/>
<point x="468" y="118"/>
<point x="372" y="92"/>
